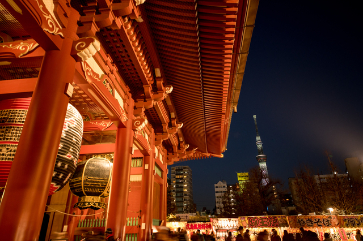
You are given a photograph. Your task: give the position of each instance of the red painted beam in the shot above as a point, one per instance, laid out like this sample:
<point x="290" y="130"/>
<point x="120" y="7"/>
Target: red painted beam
<point x="158" y="179"/>
<point x="17" y="86"/>
<point x="97" y="149"/>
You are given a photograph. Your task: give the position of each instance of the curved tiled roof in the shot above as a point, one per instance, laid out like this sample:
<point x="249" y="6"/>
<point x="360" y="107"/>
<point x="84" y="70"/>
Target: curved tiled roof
<point x="195" y="42"/>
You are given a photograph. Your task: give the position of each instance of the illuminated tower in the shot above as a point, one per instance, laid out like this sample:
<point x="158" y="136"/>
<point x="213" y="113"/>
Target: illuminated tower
<point x="261" y="158"/>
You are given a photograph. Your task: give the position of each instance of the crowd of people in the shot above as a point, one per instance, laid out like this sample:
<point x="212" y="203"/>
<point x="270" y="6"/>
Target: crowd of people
<point x="303" y="235"/>
<point x="181" y="235"/>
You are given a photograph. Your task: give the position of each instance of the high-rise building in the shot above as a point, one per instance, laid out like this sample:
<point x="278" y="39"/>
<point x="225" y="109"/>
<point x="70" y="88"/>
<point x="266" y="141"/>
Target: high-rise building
<point x="227" y="192"/>
<point x="220" y="188"/>
<point x="354" y="168"/>
<point x="182" y="189"/>
<point x="242" y="178"/>
<point x="261" y="157"/>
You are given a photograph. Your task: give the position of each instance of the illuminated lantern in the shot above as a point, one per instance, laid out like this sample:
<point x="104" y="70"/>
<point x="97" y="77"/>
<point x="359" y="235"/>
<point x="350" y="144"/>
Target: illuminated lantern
<point x="91" y="182"/>
<point x="12" y="117"/>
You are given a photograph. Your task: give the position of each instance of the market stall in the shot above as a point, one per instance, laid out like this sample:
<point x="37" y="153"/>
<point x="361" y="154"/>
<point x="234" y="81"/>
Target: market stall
<point x="340" y="228"/>
<point x="221" y="227"/>
<point x="349" y="224"/>
<point x="175" y="225"/>
<point x="258" y="224"/>
<point x="204" y="227"/>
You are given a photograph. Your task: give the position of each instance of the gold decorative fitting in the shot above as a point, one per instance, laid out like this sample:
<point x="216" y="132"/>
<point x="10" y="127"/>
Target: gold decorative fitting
<point x="139" y="2"/>
<point x="92" y="202"/>
<point x="139" y="123"/>
<point x="168" y="89"/>
<point x="87" y="47"/>
<point x="21" y="48"/>
<point x="91" y="75"/>
<point x="48" y="13"/>
<point x="123" y="114"/>
<point x="5" y="63"/>
<point x="15" y="6"/>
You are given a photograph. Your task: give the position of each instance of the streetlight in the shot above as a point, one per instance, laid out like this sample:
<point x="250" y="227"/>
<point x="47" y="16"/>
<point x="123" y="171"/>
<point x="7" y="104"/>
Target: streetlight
<point x="331" y="210"/>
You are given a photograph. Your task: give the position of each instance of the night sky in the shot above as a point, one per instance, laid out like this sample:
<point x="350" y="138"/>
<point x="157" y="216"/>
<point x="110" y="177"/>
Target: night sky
<point x="303" y="80"/>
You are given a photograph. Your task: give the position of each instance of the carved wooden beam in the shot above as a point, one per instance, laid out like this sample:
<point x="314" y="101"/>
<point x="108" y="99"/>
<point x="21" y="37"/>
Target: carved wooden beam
<point x="85" y="48"/>
<point x="128" y="8"/>
<point x="17" y="49"/>
<point x="139" y="123"/>
<point x="92" y="22"/>
<point x="91" y="83"/>
<point x="136" y="48"/>
<point x="159" y="138"/>
<point x="45" y="22"/>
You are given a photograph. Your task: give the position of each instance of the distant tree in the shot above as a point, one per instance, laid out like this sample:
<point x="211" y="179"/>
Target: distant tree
<point x="344" y="193"/>
<point x="193" y="207"/>
<point x="251" y="201"/>
<point x="254" y="198"/>
<point x="171" y="207"/>
<point x="317" y="193"/>
<point x="308" y="197"/>
<point x="268" y="193"/>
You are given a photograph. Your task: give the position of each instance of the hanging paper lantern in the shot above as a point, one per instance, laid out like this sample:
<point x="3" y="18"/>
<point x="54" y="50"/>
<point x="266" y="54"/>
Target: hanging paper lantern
<point x="91" y="182"/>
<point x="12" y="117"/>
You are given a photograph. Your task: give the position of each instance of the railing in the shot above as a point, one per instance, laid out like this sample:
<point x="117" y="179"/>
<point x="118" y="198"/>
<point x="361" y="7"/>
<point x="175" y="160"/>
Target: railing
<point x="131" y="233"/>
<point x="132" y="221"/>
<point x="131" y="237"/>
<point x="91" y="223"/>
<point x="77" y="238"/>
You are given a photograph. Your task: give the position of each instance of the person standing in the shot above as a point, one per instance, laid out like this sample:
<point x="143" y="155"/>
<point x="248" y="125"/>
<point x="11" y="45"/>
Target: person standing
<point x="275" y="236"/>
<point x="246" y="236"/>
<point x="262" y="236"/>
<point x="358" y="236"/>
<point x="229" y="238"/>
<point x="200" y="236"/>
<point x="213" y="237"/>
<point x="327" y="237"/>
<point x="287" y="236"/>
<point x="182" y="235"/>
<point x="109" y="235"/>
<point x="304" y="234"/>
<point x="240" y="234"/>
<point x="194" y="237"/>
<point x="208" y="236"/>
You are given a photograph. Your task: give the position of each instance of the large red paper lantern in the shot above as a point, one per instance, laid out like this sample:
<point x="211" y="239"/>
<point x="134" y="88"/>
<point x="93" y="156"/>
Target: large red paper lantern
<point x="12" y="117"/>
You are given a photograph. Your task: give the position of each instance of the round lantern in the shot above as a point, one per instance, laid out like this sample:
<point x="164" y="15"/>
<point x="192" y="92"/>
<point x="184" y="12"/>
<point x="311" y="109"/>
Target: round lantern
<point x="12" y="118"/>
<point x="91" y="182"/>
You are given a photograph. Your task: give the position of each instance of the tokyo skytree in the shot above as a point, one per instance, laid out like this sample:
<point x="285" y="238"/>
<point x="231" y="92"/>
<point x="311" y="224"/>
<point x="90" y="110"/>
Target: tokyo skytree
<point x="261" y="158"/>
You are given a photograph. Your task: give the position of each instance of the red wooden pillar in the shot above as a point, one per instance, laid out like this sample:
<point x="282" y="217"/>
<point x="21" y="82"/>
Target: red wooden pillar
<point x="73" y="220"/>
<point x="117" y="213"/>
<point x="22" y="208"/>
<point x="147" y="190"/>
